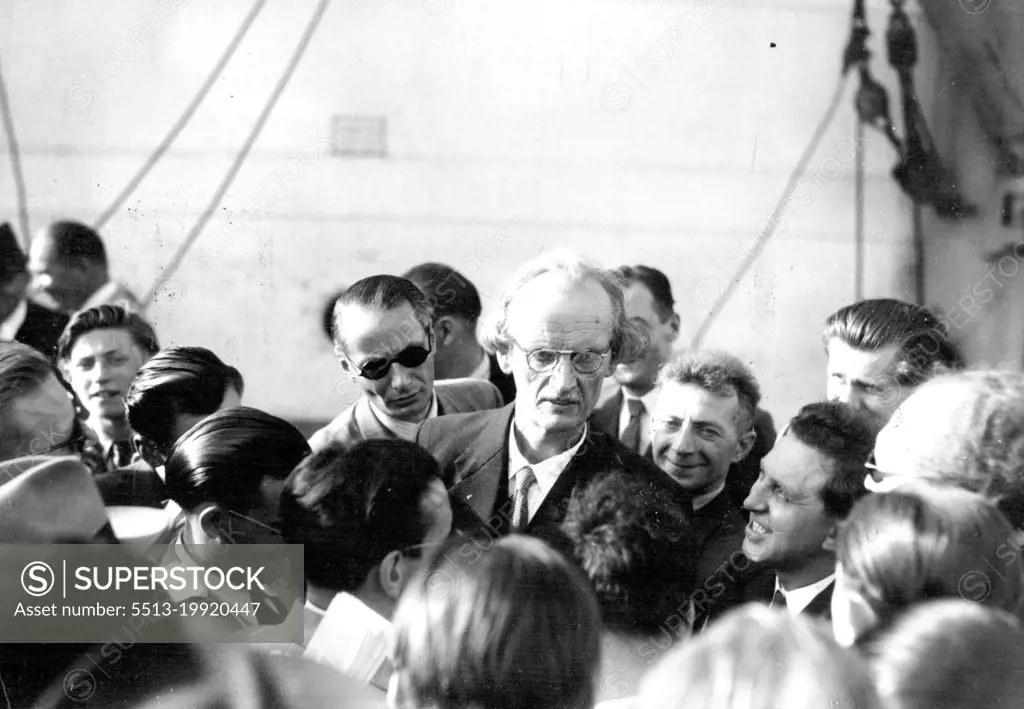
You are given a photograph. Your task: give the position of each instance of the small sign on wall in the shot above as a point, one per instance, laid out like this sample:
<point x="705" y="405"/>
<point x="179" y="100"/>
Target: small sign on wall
<point x="354" y="136"/>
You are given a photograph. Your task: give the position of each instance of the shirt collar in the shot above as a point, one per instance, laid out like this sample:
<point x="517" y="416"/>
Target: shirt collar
<point x="800" y="598"/>
<point x="705" y="499"/>
<point x="9" y="327"/>
<point x="546" y="471"/>
<point x="403" y="429"/>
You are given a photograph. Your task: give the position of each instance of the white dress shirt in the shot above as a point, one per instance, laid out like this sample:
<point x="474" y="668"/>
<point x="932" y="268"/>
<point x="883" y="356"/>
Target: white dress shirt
<point x="403" y="429"/>
<point x="649" y="400"/>
<point x="9" y="327"/>
<point x="546" y="471"/>
<point x="800" y="598"/>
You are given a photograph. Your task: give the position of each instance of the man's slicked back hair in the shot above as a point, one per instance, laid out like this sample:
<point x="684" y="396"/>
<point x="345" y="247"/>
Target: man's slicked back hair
<point x="925" y="348"/>
<point x="448" y="291"/>
<point x="718" y="373"/>
<point x="838" y="432"/>
<point x="383" y="293"/>
<point x="175" y="381"/>
<point x="655" y="281"/>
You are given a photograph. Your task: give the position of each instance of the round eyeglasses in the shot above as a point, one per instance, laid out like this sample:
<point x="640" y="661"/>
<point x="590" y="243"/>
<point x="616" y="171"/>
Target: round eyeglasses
<point x="543" y="359"/>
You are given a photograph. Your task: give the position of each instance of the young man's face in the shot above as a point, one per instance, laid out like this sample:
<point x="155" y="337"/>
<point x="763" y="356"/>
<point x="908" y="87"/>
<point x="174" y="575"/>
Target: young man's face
<point x="101" y="367"/>
<point x="788" y="523"/>
<point x="864" y="380"/>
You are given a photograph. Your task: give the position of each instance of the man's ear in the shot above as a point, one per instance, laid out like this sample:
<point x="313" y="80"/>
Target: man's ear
<point x="674" y="327"/>
<point x="213" y="521"/>
<point x="744" y="445"/>
<point x="149" y="451"/>
<point x="830" y="540"/>
<point x="446" y="331"/>
<point x="505" y="360"/>
<point x="390" y="574"/>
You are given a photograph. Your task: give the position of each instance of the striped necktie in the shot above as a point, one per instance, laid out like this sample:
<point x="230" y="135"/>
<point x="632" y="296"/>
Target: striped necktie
<point x="525" y="481"/>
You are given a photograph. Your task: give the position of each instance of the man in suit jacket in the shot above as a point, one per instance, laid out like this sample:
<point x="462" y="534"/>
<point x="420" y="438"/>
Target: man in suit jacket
<point x="21" y="320"/>
<point x="810" y="482"/>
<point x="624" y="410"/>
<point x="702" y="425"/>
<point x="457" y="308"/>
<point x="562" y="327"/>
<point x="383" y="336"/>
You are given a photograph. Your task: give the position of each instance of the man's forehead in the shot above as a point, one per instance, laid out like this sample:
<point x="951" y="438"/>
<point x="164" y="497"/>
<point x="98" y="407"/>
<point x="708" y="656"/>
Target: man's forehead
<point x="373" y="331"/>
<point x="693" y="400"/>
<point x="795" y="465"/>
<point x="101" y="342"/>
<point x="551" y="305"/>
<point x="639" y="301"/>
<point x="858" y="363"/>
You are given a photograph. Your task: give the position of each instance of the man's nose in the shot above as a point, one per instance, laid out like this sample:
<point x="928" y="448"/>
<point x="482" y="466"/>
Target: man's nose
<point x="564" y="375"/>
<point x="401" y="375"/>
<point x="755" y="500"/>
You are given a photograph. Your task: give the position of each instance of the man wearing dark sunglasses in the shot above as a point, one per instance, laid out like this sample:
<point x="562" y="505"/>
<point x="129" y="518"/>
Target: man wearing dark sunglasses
<point x="383" y="340"/>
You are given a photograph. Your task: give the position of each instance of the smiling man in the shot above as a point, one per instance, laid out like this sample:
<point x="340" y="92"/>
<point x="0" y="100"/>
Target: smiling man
<point x="561" y="329"/>
<point x="100" y="352"/>
<point x="808" y="484"/>
<point x="880" y="351"/>
<point x="702" y="425"/>
<point x="383" y="340"/>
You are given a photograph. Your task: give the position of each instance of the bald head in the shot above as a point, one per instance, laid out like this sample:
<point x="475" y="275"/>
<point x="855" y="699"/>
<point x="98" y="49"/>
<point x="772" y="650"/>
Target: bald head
<point x="965" y="429"/>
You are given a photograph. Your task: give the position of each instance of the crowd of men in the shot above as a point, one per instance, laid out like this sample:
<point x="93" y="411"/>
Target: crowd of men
<point x="558" y="507"/>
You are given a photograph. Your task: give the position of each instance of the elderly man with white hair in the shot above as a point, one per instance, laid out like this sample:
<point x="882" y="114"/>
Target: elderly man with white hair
<point x="560" y="330"/>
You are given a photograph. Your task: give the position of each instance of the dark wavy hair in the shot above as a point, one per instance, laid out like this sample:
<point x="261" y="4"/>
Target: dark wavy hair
<point x="925" y="348"/>
<point x="178" y="380"/>
<point x="847" y="440"/>
<point x="639" y="550"/>
<point x="351" y="508"/>
<point x="107" y="317"/>
<point x="225" y="457"/>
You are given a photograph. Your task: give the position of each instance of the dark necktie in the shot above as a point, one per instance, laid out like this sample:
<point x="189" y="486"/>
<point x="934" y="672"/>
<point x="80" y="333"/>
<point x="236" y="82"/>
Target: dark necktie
<point x="631" y="436"/>
<point x="779" y="599"/>
<point x="525" y="480"/>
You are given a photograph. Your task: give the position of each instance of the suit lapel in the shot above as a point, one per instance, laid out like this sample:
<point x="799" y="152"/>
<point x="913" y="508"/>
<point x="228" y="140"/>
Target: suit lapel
<point x="556" y="502"/>
<point x="485" y="484"/>
<point x="368" y="426"/>
<point x="606" y="417"/>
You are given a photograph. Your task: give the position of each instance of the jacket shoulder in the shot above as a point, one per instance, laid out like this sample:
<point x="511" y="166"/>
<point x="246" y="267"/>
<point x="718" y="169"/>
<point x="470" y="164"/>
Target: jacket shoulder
<point x="465" y="394"/>
<point x="342" y="429"/>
